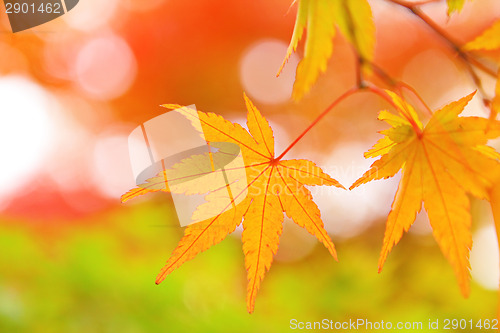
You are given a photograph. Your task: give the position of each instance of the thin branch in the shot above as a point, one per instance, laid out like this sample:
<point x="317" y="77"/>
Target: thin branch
<point x="383" y="75"/>
<point x="452" y="43"/>
<point x="480" y="65"/>
<point x="414" y="3"/>
<point x="404" y="112"/>
<point x="359" y="72"/>
<point x="435" y="27"/>
<point x="416" y="94"/>
<point x="477" y="82"/>
<point x="323" y="114"/>
<point x="397" y="84"/>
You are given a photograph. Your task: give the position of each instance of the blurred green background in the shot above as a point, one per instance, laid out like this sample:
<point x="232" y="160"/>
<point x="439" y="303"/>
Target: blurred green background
<point x="73" y="259"/>
<point x="100" y="278"/>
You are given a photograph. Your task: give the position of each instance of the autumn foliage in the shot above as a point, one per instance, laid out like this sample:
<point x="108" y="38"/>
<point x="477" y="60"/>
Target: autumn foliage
<point x="442" y="161"/>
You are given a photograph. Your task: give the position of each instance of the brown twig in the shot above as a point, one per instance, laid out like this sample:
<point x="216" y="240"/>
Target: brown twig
<point x="467" y="58"/>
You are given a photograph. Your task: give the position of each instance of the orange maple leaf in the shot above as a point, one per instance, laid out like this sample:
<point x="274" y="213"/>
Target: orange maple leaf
<point x="274" y="187"/>
<point x="320" y="17"/>
<point x="440" y="163"/>
<point x="489" y="40"/>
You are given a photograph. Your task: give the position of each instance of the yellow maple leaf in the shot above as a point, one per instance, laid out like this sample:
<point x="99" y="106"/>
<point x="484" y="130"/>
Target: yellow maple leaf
<point x="440" y="163"/>
<point x="274" y="187"/>
<point x="317" y="15"/>
<point x="355" y="21"/>
<point x="455" y="6"/>
<point x="495" y="103"/>
<point x="488" y="40"/>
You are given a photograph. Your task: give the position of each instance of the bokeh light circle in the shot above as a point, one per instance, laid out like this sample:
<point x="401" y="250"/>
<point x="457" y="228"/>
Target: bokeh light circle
<point x="258" y="67"/>
<point x="348" y="213"/>
<point x="112" y="172"/>
<point x="26" y="136"/>
<point x="105" y="67"/>
<point x="484" y="258"/>
<point x="91" y="14"/>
